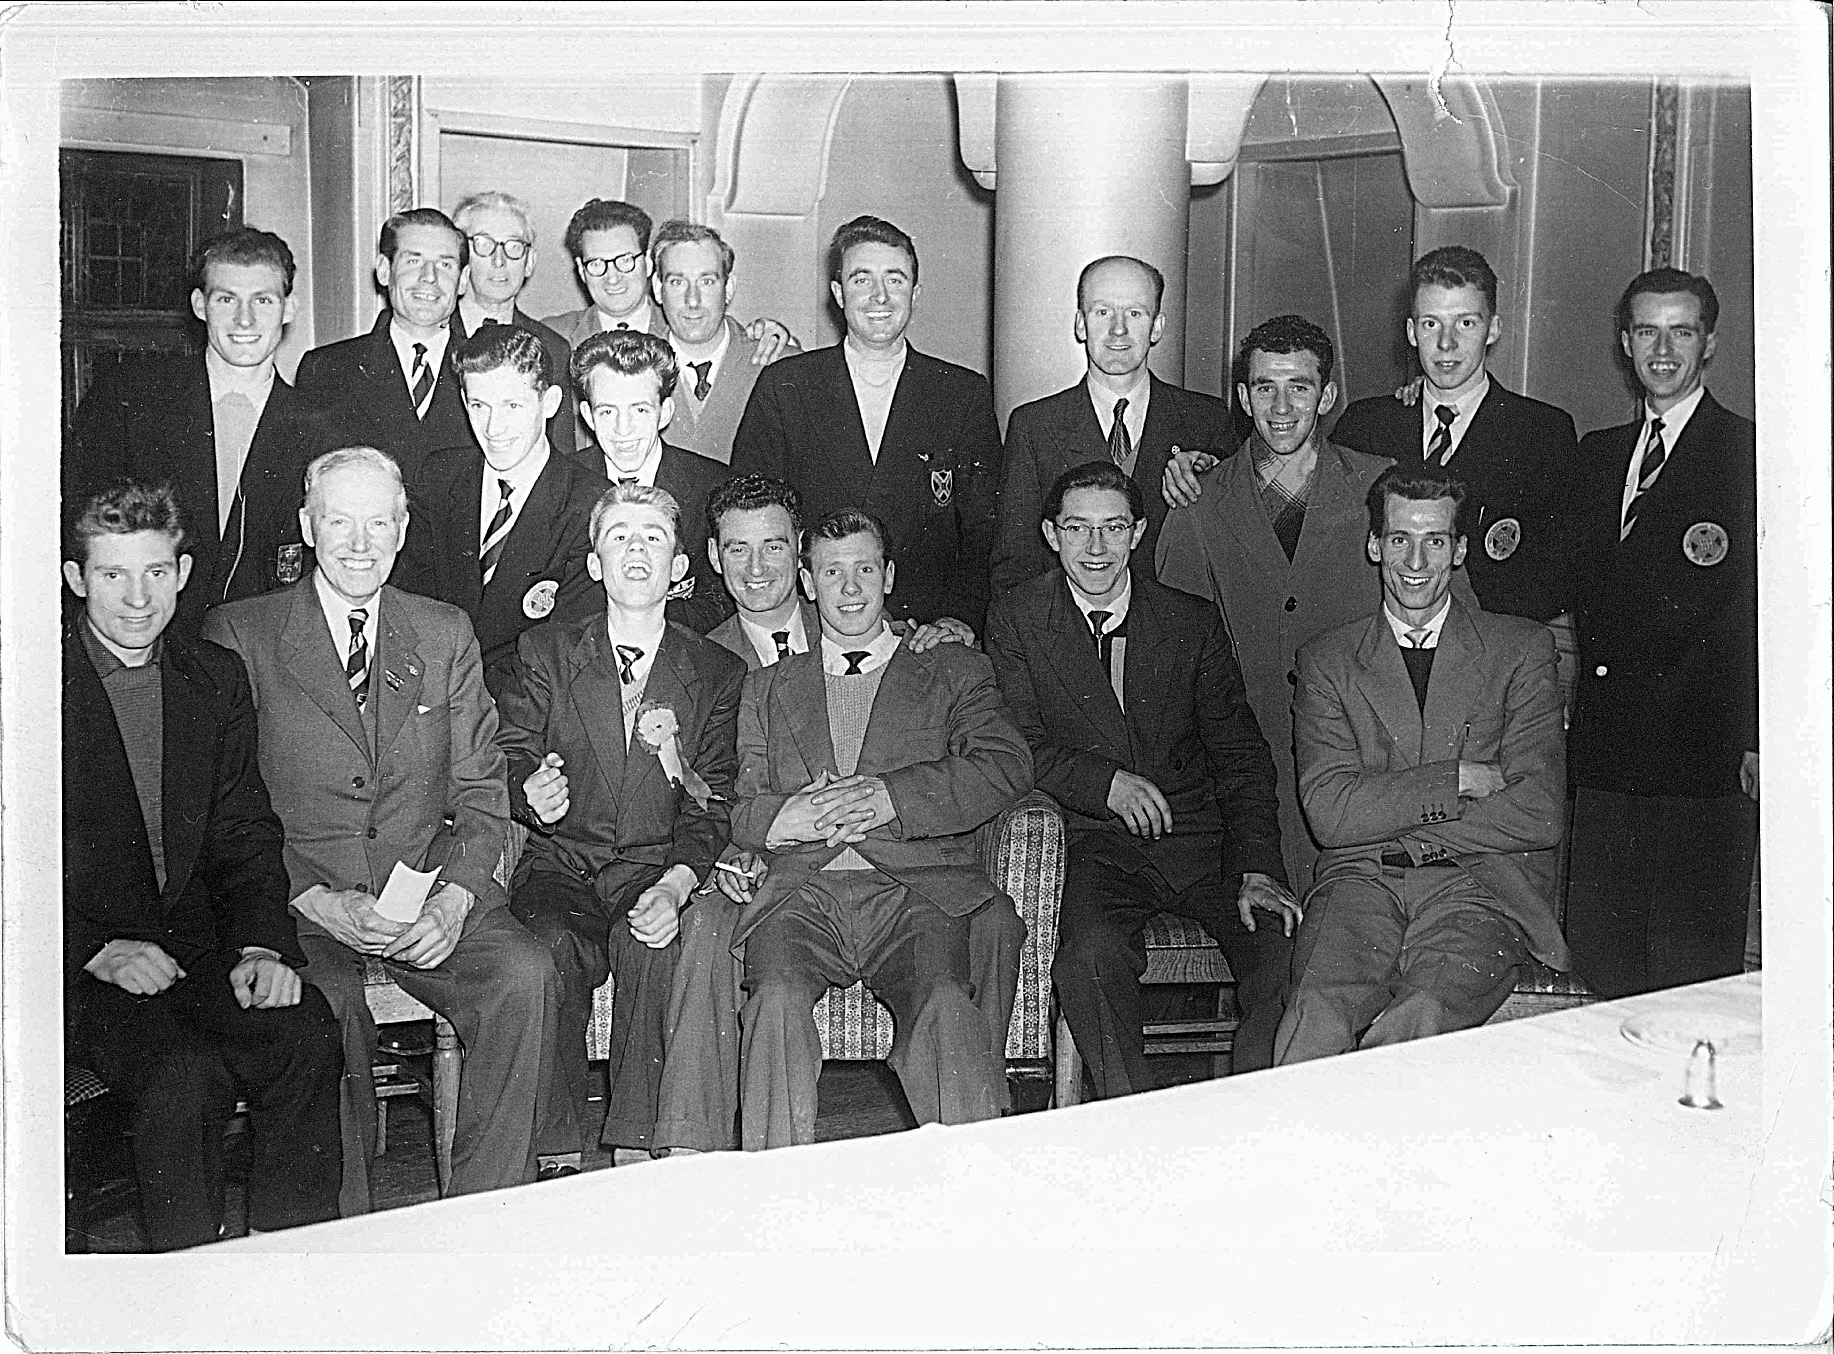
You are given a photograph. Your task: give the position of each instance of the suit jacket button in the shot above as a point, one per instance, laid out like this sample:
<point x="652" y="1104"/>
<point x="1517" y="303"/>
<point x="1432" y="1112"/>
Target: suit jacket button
<point x="356" y="782"/>
<point x="1292" y="678"/>
<point x="372" y="834"/>
<point x="1292" y="604"/>
<point x="1600" y="670"/>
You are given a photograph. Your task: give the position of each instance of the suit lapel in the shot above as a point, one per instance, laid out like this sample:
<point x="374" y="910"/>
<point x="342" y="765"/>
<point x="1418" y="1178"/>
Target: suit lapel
<point x="524" y="552"/>
<point x="1387" y="689"/>
<point x="391" y="404"/>
<point x="802" y="695"/>
<point x="673" y="682"/>
<point x="1248" y="522"/>
<point x="1144" y="677"/>
<point x="910" y="400"/>
<point x="844" y="437"/>
<point x="186" y="768"/>
<point x="197" y="473"/>
<point x="310" y="655"/>
<point x="1458" y="677"/>
<point x="459" y="559"/>
<point x="1079" y="668"/>
<point x="598" y="700"/>
<point x="395" y="673"/>
<point x="904" y="688"/>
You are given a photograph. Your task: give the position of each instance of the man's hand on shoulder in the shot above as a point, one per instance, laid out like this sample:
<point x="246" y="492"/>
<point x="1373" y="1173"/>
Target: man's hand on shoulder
<point x="1137" y="802"/>
<point x="1409" y="394"/>
<point x="773" y="338"/>
<point x="1268" y="894"/>
<point x="942" y="630"/>
<point x="1179" y="482"/>
<point x="434" y="934"/>
<point x="137" y="966"/>
<point x="349" y="916"/>
<point x="262" y="981"/>
<point x="1479" y="780"/>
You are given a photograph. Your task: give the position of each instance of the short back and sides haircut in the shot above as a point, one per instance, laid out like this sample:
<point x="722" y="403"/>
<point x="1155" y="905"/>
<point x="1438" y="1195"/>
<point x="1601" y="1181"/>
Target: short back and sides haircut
<point x="125" y="509"/>
<point x="1663" y="281"/>
<point x="331" y="461"/>
<point x="390" y="238"/>
<point x="1287" y="334"/>
<point x="1454" y="265"/>
<point x="838" y="526"/>
<point x="1158" y="278"/>
<point x="247" y="248"/>
<point x="604" y="214"/>
<point x="629" y="353"/>
<point x="687" y="232"/>
<point x="504" y="345"/>
<point x="868" y="230"/>
<point x="748" y="493"/>
<point x="1095" y="475"/>
<point x="644" y="495"/>
<point x="1417" y="484"/>
<point x="508" y="202"/>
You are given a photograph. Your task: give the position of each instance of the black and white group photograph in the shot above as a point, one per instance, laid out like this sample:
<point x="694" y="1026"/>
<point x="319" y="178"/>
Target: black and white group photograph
<point x="931" y="676"/>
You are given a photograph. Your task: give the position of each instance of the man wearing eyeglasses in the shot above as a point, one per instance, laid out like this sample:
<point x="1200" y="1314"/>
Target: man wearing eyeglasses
<point x="609" y="242"/>
<point x="1139" y="725"/>
<point x="501" y="236"/>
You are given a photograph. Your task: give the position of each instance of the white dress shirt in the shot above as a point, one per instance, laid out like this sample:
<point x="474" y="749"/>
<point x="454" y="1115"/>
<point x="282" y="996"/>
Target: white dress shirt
<point x="1137" y="399"/>
<point x="875" y="384"/>
<point x="521" y="477"/>
<point x="1432" y="627"/>
<point x="337" y="619"/>
<point x="253" y="384"/>
<point x="685" y="384"/>
<point x="404" y="352"/>
<point x="1673" y="422"/>
<point x="1466" y="406"/>
<point x="1117" y="610"/>
<point x="644" y="474"/>
<point x="762" y="639"/>
<point x="649" y="640"/>
<point x="638" y="319"/>
<point x="879" y="651"/>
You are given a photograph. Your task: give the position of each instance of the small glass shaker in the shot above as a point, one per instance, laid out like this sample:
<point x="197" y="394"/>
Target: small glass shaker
<point x="1700" y="1089"/>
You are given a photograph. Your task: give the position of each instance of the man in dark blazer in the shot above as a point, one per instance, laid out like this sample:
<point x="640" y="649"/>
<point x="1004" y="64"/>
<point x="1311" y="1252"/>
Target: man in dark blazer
<point x="179" y="953"/>
<point x="1118" y="321"/>
<point x="1515" y="455"/>
<point x="619" y="731"/>
<point x="864" y="770"/>
<point x="378" y="746"/>
<point x="517" y="555"/>
<point x="1432" y="763"/>
<point x="494" y="224"/>
<point x="1664" y="742"/>
<point x="1277" y="538"/>
<point x="223" y="430"/>
<point x="873" y="424"/>
<point x="626" y="384"/>
<point x="1145" y="736"/>
<point x="392" y="388"/>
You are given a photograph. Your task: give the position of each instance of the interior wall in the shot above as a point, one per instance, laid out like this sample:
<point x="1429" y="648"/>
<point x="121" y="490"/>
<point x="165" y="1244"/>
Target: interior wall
<point x="227" y="117"/>
<point x="1715" y="230"/>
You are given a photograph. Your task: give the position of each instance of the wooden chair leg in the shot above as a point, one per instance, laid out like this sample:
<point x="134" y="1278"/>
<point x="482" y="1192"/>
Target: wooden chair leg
<point x="448" y="1062"/>
<point x="1068" y="1063"/>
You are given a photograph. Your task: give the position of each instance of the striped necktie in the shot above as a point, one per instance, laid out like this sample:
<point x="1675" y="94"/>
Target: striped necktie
<point x="495" y="534"/>
<point x="783" y="643"/>
<point x="356" y="667"/>
<point x="629" y="655"/>
<point x="1655" y="456"/>
<point x="1440" y="449"/>
<point x="1120" y="445"/>
<point x="420" y="385"/>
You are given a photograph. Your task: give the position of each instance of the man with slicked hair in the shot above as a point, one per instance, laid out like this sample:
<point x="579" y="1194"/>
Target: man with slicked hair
<point x="1117" y="322"/>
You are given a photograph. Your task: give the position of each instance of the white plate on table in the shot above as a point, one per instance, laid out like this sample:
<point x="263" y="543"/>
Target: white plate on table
<point x="1679" y="1031"/>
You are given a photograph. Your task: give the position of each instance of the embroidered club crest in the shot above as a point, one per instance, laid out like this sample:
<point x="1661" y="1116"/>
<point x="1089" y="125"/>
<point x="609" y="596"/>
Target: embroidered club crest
<point x="538" y="601"/>
<point x="942" y="486"/>
<point x="289" y="562"/>
<point x="1501" y="540"/>
<point x="1705" y="544"/>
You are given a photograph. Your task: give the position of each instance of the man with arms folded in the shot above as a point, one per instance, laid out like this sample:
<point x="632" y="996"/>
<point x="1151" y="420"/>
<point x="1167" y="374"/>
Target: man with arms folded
<point x="392" y="388"/>
<point x="179" y="955"/>
<point x="1432" y="767"/>
<point x="1665" y="734"/>
<point x="864" y="770"/>
<point x="619" y="730"/>
<point x="1277" y="540"/>
<point x="610" y="246"/>
<point x="508" y="528"/>
<point x="1139" y="726"/>
<point x="1118" y="321"/>
<point x="223" y="430"/>
<point x="873" y="424"/>
<point x="378" y="745"/>
<point x="500" y="242"/>
<point x="626" y="384"/>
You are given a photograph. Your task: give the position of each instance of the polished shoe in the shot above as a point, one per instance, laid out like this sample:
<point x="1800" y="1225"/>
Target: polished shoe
<point x="630" y="1156"/>
<point x="555" y="1170"/>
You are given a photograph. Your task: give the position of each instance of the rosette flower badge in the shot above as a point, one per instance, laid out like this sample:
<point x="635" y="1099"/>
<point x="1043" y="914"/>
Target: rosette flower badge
<point x="660" y="732"/>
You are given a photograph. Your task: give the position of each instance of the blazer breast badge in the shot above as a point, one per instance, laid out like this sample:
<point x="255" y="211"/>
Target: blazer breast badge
<point x="942" y="486"/>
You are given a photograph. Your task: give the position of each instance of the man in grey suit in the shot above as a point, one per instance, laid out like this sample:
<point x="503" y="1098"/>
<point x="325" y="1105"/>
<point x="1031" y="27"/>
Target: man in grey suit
<point x="1432" y="765"/>
<point x="692" y="282"/>
<point x="377" y="745"/>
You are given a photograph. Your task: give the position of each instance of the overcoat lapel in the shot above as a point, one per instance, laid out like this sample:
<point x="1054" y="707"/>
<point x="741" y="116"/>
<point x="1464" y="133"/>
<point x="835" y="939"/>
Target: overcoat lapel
<point x="394" y="675"/>
<point x="1387" y="689"/>
<point x="1248" y="523"/>
<point x="309" y="655"/>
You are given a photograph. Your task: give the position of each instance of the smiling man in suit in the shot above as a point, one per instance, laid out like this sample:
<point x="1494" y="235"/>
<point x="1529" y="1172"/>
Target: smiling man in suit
<point x="1432" y="766"/>
<point x="619" y="730"/>
<point x="873" y="424"/>
<point x="392" y="388"/>
<point x="514" y="555"/>
<point x="1665" y="734"/>
<point x="223" y="430"/>
<point x="864" y="770"/>
<point x="378" y="746"/>
<point x="719" y="364"/>
<point x="1139" y="726"/>
<point x="179" y="955"/>
<point x="1117" y="322"/>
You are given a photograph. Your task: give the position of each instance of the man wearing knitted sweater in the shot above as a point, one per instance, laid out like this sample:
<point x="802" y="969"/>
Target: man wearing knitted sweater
<point x="864" y="770"/>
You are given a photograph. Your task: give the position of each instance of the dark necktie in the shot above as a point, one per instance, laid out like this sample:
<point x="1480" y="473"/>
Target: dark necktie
<point x="1655" y="455"/>
<point x="487" y="321"/>
<point x="783" y="643"/>
<point x="854" y="658"/>
<point x="625" y="479"/>
<point x="1440" y="449"/>
<point x="628" y="656"/>
<point x="1120" y="446"/>
<point x="356" y="667"/>
<point x="420" y="386"/>
<point x="1104" y="646"/>
<point x="495" y="534"/>
<point x="703" y="373"/>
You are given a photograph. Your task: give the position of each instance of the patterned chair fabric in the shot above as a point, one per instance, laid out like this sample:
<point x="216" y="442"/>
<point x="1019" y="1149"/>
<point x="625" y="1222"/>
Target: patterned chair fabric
<point x="81" y="1085"/>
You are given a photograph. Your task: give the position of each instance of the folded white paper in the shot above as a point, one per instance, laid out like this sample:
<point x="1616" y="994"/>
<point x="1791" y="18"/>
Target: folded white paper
<point x="405" y="892"/>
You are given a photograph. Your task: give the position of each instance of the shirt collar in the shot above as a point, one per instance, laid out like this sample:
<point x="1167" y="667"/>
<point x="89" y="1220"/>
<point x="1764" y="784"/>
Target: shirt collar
<point x="1675" y="419"/>
<point x="858" y="359"/>
<point x="1104" y="399"/>
<point x="1432" y="627"/>
<point x="521" y="476"/>
<point x="762" y="639"/>
<point x="108" y="662"/>
<point x="719" y="355"/>
<point x="648" y="638"/>
<point x="1117" y="608"/>
<point x="645" y="473"/>
<point x="878" y="652"/>
<point x="1466" y="404"/>
<point x="337" y="614"/>
<point x="251" y="382"/>
<point x="638" y="319"/>
<point x="435" y="346"/>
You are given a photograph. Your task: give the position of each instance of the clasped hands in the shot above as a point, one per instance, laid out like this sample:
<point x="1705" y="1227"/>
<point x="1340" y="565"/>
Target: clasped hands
<point x="259" y="979"/>
<point x="349" y="916"/>
<point x="836" y="811"/>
